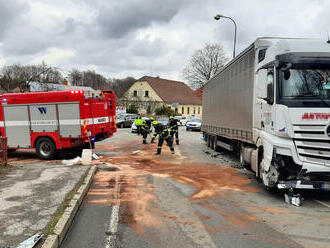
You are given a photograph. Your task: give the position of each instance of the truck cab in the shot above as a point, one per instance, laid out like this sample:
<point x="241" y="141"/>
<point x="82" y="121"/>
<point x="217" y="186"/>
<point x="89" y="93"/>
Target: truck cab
<point x="292" y="114"/>
<point x="271" y="105"/>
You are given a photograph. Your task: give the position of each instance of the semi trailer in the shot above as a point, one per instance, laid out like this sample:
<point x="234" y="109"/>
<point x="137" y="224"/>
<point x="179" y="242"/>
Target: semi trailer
<point x="56" y="121"/>
<point x="271" y="105"/>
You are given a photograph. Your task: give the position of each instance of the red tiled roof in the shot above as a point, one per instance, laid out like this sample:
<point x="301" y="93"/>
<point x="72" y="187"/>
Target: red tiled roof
<point x="172" y="91"/>
<point x="199" y="93"/>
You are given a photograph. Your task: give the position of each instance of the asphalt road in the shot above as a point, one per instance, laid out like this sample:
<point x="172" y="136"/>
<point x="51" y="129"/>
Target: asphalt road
<point x="194" y="198"/>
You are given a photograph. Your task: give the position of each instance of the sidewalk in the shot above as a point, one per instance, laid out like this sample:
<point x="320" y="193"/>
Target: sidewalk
<point x="30" y="194"/>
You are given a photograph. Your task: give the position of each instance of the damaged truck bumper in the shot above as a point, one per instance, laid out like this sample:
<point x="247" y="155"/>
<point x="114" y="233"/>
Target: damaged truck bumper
<point x="303" y="184"/>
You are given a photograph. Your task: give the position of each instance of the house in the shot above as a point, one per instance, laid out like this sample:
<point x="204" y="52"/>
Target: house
<point x="149" y="93"/>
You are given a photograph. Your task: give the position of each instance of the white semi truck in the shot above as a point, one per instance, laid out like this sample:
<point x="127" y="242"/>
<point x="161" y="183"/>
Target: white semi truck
<point x="271" y="104"/>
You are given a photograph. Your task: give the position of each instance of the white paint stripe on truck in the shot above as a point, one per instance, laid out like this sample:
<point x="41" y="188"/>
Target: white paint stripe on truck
<point x="70" y="122"/>
<point x="16" y="123"/>
<point x="98" y="120"/>
<point x="89" y="121"/>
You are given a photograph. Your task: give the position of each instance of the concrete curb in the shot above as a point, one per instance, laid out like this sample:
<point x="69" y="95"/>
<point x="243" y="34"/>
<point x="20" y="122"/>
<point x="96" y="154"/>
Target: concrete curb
<point x="54" y="240"/>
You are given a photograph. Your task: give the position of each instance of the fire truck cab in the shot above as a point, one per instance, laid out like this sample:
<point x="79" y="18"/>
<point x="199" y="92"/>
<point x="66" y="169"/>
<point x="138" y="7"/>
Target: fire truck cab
<point x="57" y="120"/>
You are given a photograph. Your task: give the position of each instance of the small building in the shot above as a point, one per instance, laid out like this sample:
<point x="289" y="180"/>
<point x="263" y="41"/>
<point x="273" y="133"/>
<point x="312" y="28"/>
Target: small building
<point x="149" y="93"/>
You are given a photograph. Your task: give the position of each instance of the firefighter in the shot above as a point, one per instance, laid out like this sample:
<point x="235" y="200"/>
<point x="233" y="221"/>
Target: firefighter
<point x="138" y="123"/>
<point x="164" y="135"/>
<point x="174" y="129"/>
<point x="145" y="130"/>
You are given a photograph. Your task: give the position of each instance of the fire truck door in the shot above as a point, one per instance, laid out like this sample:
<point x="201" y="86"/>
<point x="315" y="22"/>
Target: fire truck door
<point x="17" y="126"/>
<point x="69" y="118"/>
<point x="43" y="118"/>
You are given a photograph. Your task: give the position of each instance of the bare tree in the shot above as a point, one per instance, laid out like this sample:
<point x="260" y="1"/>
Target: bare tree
<point x="120" y="86"/>
<point x="21" y="76"/>
<point x="88" y="78"/>
<point x="204" y="64"/>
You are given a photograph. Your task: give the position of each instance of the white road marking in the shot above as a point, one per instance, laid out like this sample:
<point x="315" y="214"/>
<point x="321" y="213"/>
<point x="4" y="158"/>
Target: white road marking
<point x="322" y="203"/>
<point x="114" y="219"/>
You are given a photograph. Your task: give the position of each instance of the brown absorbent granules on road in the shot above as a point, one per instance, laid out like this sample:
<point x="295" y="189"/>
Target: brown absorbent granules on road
<point x="136" y="194"/>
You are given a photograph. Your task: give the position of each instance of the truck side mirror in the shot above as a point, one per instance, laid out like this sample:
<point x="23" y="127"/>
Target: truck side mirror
<point x="270" y="88"/>
<point x="270" y="94"/>
<point x="287" y="74"/>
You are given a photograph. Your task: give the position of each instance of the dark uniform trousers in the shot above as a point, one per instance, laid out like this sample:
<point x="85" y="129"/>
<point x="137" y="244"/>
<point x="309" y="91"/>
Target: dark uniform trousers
<point x="164" y="136"/>
<point x="144" y="132"/>
<point x="139" y="129"/>
<point x="175" y="132"/>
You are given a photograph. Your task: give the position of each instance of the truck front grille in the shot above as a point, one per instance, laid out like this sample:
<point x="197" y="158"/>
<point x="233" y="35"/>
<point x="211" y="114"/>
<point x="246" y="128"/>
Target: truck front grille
<point x="312" y="143"/>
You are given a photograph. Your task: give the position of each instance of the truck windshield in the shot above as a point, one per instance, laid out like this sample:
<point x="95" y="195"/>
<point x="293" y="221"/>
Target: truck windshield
<point x="305" y="83"/>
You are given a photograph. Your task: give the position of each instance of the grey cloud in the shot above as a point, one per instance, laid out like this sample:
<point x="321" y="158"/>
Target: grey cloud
<point x="119" y="18"/>
<point x="102" y="32"/>
<point x="69" y="25"/>
<point x="9" y="12"/>
<point x="26" y="41"/>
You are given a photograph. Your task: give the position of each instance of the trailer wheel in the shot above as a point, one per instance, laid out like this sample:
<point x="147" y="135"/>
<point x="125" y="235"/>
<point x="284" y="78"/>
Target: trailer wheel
<point x="45" y="148"/>
<point x="209" y="141"/>
<point x="214" y="143"/>
<point x="241" y="156"/>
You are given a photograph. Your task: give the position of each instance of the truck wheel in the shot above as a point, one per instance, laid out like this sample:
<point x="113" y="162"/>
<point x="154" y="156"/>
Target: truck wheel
<point x="241" y="156"/>
<point x="214" y="143"/>
<point x="45" y="148"/>
<point x="208" y="141"/>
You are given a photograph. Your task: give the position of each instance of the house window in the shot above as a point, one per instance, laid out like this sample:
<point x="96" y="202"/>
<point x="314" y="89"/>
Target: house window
<point x="146" y="93"/>
<point x="199" y="110"/>
<point x="188" y="110"/>
<point x="135" y="93"/>
<point x="182" y="110"/>
<point x="194" y="110"/>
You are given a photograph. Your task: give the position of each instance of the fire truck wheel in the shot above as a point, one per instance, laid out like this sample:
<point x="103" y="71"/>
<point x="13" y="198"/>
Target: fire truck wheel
<point x="45" y="148"/>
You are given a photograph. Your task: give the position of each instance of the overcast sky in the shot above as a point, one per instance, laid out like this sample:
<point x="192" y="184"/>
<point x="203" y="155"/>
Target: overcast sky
<point x="120" y="38"/>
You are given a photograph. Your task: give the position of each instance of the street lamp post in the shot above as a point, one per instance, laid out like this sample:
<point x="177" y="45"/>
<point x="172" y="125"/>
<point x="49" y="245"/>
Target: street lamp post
<point x="217" y="17"/>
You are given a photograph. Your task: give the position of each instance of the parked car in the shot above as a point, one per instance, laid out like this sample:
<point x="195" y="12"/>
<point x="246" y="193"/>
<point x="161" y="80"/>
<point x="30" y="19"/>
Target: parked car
<point x="187" y="119"/>
<point x="163" y="120"/>
<point x="183" y="121"/>
<point x="194" y="124"/>
<point x="134" y="128"/>
<point x="179" y="118"/>
<point x="125" y="120"/>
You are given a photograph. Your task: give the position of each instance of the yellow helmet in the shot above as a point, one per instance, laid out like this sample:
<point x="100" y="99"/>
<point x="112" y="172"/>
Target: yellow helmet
<point x="155" y="123"/>
<point x="152" y="118"/>
<point x="171" y="117"/>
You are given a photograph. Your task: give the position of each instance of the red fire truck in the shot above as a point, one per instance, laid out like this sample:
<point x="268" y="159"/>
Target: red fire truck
<point x="56" y="120"/>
